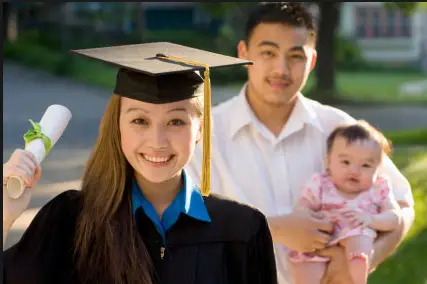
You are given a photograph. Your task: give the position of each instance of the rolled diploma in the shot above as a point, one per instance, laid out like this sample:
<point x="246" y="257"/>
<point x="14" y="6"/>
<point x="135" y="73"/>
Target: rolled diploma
<point x="52" y="124"/>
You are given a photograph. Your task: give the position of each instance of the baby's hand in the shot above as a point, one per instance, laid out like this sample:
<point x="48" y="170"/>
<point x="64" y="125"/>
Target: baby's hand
<point x="357" y="218"/>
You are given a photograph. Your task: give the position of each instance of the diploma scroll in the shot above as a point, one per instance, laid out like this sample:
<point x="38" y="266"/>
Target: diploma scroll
<point x="52" y="125"/>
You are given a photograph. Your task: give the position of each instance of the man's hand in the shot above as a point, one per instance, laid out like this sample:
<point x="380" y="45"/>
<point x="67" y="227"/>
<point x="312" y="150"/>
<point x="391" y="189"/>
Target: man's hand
<point x="302" y="230"/>
<point x="337" y="271"/>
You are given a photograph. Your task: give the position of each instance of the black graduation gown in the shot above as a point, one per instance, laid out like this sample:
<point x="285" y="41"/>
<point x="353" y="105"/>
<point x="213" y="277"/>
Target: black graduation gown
<point x="236" y="247"/>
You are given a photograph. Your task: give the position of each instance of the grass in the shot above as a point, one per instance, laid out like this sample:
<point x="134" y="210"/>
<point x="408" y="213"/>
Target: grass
<point x="381" y="86"/>
<point x="374" y="86"/>
<point x="408" y="263"/>
<point x="409" y="137"/>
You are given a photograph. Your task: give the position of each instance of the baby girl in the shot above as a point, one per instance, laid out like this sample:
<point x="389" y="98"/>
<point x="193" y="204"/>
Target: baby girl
<point x="354" y="196"/>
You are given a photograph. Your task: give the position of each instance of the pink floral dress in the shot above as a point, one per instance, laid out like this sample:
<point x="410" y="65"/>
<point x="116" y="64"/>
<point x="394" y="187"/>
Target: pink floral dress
<point x="324" y="197"/>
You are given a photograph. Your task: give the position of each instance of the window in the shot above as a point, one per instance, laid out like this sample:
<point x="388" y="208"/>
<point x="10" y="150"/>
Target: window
<point x="379" y="22"/>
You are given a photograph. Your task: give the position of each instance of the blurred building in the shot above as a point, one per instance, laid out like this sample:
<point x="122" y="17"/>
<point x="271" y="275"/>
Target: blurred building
<point x="386" y="35"/>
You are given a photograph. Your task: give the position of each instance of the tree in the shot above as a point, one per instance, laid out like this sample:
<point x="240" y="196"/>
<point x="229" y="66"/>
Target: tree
<point x="10" y="21"/>
<point x="329" y="16"/>
<point x="5" y="19"/>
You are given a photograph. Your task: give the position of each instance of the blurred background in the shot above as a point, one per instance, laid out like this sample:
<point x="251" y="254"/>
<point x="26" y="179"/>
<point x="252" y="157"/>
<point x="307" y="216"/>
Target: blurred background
<point x="372" y="63"/>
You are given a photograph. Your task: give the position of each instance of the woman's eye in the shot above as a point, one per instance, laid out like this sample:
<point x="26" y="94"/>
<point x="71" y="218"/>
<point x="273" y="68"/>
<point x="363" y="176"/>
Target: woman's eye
<point x="139" y="121"/>
<point x="345" y="162"/>
<point x="176" y="122"/>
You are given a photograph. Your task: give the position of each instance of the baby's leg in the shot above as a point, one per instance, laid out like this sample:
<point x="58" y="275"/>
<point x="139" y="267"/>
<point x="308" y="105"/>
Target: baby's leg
<point x="358" y="250"/>
<point x="307" y="272"/>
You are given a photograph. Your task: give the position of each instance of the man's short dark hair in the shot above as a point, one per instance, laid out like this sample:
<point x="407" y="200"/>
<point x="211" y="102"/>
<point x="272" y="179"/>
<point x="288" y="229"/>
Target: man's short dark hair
<point x="287" y="13"/>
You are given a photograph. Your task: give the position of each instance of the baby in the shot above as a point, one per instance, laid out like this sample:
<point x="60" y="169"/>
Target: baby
<point x="352" y="194"/>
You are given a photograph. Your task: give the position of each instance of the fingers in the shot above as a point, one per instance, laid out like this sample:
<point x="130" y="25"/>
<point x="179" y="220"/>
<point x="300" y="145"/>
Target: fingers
<point x="332" y="251"/>
<point x="27" y="162"/>
<point x="23" y="164"/>
<point x="23" y="172"/>
<point x="319" y="245"/>
<point x="322" y="238"/>
<point x="323" y="225"/>
<point x="318" y="241"/>
<point x="37" y="175"/>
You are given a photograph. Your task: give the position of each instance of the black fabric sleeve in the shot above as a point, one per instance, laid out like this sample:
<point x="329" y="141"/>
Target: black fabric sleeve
<point x="45" y="250"/>
<point x="261" y="259"/>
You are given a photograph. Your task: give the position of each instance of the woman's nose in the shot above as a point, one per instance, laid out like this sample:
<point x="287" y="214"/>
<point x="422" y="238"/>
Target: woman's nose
<point x="158" y="137"/>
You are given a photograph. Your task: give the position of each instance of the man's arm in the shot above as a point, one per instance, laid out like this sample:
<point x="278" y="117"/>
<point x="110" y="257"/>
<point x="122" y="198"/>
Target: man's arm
<point x="386" y="243"/>
<point x="389" y="217"/>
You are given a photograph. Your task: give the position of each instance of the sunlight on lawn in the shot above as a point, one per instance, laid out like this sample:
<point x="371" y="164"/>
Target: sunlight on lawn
<point x="407" y="264"/>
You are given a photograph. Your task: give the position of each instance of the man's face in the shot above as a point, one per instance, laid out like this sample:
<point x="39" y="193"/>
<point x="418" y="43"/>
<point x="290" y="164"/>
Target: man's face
<point x="283" y="57"/>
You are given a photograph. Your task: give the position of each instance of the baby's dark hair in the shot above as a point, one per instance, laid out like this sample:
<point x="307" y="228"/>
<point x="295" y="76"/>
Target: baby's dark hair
<point x="361" y="130"/>
<point x="287" y="13"/>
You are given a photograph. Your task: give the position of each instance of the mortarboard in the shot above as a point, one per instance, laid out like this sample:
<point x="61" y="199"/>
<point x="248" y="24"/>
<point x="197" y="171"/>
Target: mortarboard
<point x="164" y="72"/>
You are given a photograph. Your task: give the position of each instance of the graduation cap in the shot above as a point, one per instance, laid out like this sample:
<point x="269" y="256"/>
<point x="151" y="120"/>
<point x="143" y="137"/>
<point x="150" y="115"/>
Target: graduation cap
<point x="164" y="72"/>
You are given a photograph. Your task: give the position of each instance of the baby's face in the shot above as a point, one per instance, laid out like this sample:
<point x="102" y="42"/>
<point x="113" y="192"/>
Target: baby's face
<point x="353" y="167"/>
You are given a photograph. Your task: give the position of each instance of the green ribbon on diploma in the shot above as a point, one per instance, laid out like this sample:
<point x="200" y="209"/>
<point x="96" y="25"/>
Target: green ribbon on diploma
<point x="36" y="133"/>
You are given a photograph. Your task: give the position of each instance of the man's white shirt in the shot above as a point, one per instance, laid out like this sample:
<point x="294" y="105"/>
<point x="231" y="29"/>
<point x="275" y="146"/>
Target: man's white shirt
<point x="253" y="166"/>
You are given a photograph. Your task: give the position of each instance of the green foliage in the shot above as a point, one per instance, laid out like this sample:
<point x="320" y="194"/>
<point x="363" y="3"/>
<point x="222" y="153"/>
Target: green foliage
<point x="415" y="137"/>
<point x="59" y="63"/>
<point x="348" y="56"/>
<point x="407" y="264"/>
<point x="38" y="56"/>
<point x="405" y="7"/>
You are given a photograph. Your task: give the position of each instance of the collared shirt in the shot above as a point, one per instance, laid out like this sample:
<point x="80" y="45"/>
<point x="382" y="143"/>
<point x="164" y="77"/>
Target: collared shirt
<point x="251" y="165"/>
<point x="188" y="201"/>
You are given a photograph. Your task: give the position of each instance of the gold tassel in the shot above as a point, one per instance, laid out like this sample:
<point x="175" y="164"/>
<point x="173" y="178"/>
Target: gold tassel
<point x="206" y="165"/>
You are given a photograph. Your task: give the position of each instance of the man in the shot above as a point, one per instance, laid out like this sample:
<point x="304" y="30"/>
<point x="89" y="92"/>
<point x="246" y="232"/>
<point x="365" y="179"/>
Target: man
<point x="270" y="139"/>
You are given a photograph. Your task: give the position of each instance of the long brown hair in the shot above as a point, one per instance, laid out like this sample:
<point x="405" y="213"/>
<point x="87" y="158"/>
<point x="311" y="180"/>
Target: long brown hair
<point x="107" y="246"/>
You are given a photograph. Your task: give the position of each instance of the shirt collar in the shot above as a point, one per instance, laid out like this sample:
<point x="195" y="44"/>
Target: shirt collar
<point x="242" y="113"/>
<point x="188" y="200"/>
<point x="303" y="113"/>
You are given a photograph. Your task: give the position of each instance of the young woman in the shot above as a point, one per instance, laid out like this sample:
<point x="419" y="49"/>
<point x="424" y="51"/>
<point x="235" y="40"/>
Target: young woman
<point x="138" y="217"/>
